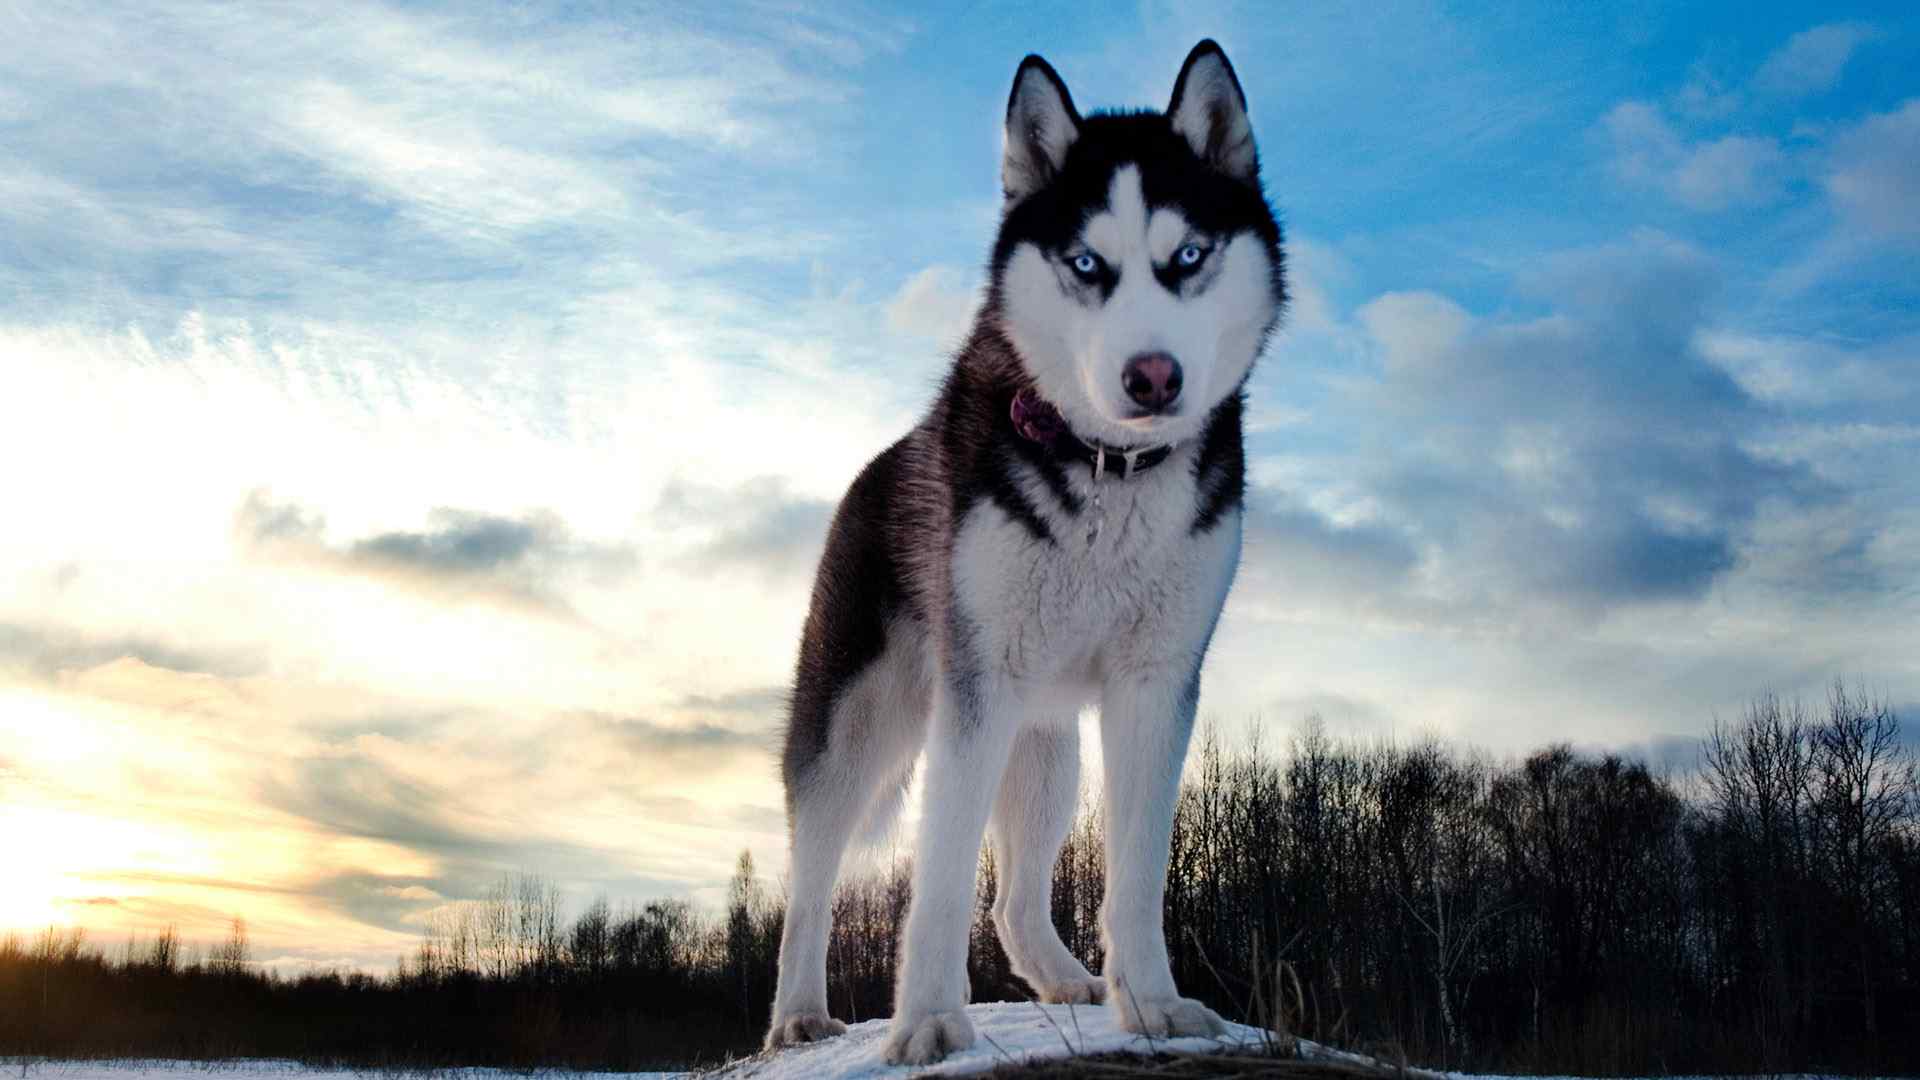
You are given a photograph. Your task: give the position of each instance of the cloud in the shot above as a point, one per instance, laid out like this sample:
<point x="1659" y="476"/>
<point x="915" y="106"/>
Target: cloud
<point x="390" y="902"/>
<point x="46" y="650"/>
<point x="554" y="796"/>
<point x="761" y="526"/>
<point x="1736" y="170"/>
<point x="460" y="555"/>
<point x="461" y="544"/>
<point x="1413" y="328"/>
<point x="1294" y="554"/>
<point x="1811" y="61"/>
<point x="1871" y="382"/>
<point x="465" y="181"/>
<point x="341" y="813"/>
<point x="353" y="793"/>
<point x="305" y="159"/>
<point x="1589" y="458"/>
<point x="686" y="749"/>
<point x="1873" y="174"/>
<point x="935" y="303"/>
<point x="752" y="701"/>
<point x="1665" y="754"/>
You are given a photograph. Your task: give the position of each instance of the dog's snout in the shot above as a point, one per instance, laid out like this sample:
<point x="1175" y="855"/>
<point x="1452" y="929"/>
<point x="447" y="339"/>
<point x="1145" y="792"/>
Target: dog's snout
<point x="1152" y="380"/>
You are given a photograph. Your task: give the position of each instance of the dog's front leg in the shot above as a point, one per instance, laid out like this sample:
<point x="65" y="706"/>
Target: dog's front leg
<point x="967" y="748"/>
<point x="1145" y="719"/>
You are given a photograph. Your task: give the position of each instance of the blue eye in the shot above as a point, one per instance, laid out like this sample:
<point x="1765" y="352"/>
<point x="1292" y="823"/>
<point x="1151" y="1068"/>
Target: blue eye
<point x="1190" y="255"/>
<point x="1086" y="265"/>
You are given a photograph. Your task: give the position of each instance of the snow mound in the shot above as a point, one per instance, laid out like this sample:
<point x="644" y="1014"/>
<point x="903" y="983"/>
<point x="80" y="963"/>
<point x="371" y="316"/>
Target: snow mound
<point x="1007" y="1034"/>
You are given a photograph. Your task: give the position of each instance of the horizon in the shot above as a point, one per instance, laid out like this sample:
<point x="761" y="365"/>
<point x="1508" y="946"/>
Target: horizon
<point x="425" y="423"/>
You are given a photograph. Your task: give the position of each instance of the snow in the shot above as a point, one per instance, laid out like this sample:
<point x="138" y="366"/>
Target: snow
<point x="268" y="1069"/>
<point x="1007" y="1034"/>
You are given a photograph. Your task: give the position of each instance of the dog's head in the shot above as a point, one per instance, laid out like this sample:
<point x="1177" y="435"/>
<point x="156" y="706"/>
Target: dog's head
<point x="1138" y="269"/>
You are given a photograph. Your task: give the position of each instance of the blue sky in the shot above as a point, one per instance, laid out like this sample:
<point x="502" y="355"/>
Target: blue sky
<point x="424" y="421"/>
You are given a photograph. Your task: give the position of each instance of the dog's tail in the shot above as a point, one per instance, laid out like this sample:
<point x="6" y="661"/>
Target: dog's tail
<point x="877" y="827"/>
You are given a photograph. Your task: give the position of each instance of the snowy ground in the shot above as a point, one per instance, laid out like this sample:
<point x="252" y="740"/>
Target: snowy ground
<point x="1008" y="1034"/>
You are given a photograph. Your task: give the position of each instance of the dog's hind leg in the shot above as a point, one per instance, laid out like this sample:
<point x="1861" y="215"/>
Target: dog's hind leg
<point x="823" y="817"/>
<point x="1030" y="820"/>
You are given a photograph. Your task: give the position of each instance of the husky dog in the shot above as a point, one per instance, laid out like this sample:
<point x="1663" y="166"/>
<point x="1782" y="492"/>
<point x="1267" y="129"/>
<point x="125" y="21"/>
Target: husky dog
<point x="1059" y="531"/>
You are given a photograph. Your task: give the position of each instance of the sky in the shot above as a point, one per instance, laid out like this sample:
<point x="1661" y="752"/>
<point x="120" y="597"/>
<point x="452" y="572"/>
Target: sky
<point x="421" y="422"/>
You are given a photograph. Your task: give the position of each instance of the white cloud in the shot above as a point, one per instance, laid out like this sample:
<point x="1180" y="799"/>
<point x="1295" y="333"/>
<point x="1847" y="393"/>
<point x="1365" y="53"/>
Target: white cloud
<point x="1415" y="329"/>
<point x="936" y="303"/>
<point x="478" y="127"/>
<point x="1732" y="171"/>
<point x="1808" y="372"/>
<point x="1314" y="271"/>
<point x="1874" y="173"/>
<point x="454" y="176"/>
<point x="1811" y="61"/>
<point x="1736" y="170"/>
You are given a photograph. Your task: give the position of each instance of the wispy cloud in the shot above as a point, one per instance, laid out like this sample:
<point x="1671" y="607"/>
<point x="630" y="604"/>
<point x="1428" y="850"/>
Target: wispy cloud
<point x="297" y="159"/>
<point x="1716" y="174"/>
<point x="761" y="526"/>
<point x="936" y="303"/>
<point x="1812" y="60"/>
<point x="1874" y="175"/>
<point x="460" y="555"/>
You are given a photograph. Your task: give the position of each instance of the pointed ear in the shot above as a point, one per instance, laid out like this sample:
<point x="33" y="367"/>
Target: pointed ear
<point x="1210" y="112"/>
<point x="1041" y="125"/>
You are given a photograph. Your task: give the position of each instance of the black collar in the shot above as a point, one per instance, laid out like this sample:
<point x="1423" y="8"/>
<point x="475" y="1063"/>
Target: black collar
<point x="1038" y="421"/>
<point x="1107" y="459"/>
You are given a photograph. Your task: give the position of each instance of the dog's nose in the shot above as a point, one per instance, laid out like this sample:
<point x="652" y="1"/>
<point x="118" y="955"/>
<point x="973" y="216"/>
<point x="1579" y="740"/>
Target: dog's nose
<point x="1152" y="380"/>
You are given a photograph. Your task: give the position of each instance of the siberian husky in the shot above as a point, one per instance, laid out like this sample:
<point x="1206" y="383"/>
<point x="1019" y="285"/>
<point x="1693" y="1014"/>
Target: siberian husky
<point x="1059" y="531"/>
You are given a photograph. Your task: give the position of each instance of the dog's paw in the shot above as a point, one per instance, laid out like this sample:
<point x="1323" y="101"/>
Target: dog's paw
<point x="1091" y="990"/>
<point x="802" y="1027"/>
<point x="927" y="1039"/>
<point x="1165" y="1018"/>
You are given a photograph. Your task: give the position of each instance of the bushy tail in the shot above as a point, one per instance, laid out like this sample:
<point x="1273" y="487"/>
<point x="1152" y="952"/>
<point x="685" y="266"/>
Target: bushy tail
<point x="877" y="828"/>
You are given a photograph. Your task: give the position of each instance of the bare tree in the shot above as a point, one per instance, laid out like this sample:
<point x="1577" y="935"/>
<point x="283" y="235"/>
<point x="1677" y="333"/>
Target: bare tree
<point x="1862" y="782"/>
<point x="164" y="956"/>
<point x="231" y="957"/>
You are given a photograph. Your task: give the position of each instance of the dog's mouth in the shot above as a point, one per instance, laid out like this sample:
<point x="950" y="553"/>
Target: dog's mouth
<point x="1147" y="423"/>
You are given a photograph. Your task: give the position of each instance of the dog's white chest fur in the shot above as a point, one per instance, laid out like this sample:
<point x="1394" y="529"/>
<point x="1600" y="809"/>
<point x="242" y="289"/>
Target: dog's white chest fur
<point x="1059" y="615"/>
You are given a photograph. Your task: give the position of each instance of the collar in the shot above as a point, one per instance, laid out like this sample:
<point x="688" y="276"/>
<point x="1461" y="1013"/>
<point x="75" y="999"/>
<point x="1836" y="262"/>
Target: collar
<point x="1038" y="421"/>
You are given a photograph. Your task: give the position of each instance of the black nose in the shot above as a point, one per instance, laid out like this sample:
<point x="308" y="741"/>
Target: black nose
<point x="1152" y="380"/>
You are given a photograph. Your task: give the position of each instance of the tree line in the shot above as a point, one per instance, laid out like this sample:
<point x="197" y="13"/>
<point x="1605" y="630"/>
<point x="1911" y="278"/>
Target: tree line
<point x="1568" y="912"/>
<point x="1571" y="911"/>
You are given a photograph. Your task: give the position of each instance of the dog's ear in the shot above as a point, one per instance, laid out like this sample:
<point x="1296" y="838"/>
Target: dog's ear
<point x="1210" y="112"/>
<point x="1041" y="125"/>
